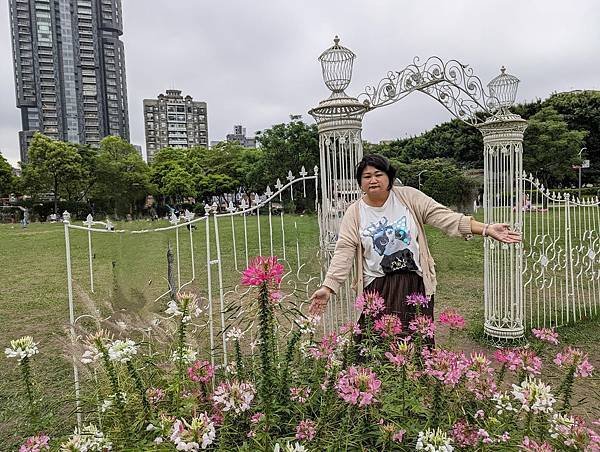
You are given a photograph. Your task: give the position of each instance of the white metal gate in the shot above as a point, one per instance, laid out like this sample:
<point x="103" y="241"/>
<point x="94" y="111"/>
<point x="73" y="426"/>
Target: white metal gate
<point x="561" y="255"/>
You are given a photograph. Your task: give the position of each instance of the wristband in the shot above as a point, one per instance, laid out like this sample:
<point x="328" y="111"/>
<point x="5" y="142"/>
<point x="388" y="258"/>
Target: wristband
<point x="485" y="228"/>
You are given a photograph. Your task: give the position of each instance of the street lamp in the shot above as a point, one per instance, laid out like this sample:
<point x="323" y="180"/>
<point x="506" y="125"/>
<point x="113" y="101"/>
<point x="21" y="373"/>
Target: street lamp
<point x="419" y="177"/>
<point x="580" y="167"/>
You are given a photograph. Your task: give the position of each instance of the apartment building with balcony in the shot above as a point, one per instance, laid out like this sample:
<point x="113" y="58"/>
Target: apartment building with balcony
<point x="173" y="120"/>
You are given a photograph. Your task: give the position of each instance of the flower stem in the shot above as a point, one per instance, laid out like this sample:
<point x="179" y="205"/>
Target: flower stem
<point x="26" y="372"/>
<point x="135" y="376"/>
<point x="266" y="340"/>
<point x="566" y="388"/>
<point x="436" y="405"/>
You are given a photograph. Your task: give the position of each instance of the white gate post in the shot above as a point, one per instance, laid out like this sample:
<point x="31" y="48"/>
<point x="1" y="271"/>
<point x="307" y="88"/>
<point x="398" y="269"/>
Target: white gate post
<point x="339" y="121"/>
<point x="503" y="202"/>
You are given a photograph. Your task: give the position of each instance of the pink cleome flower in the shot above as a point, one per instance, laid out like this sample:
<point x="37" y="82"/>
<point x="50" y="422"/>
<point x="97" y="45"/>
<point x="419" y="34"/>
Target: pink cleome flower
<point x="306" y="429"/>
<point x="464" y="434"/>
<point x="263" y="270"/>
<point x="398" y="436"/>
<point x="325" y="348"/>
<point x="546" y="335"/>
<point x="446" y="366"/>
<point x="155" y="395"/>
<point x="388" y="325"/>
<point x="300" y="395"/>
<point x="35" y="443"/>
<point x="422" y="325"/>
<point x="417" y="299"/>
<point x="480" y="377"/>
<point x="574" y="357"/>
<point x="358" y="386"/>
<point x="201" y="371"/>
<point x="234" y="396"/>
<point x="520" y="359"/>
<point x="452" y="318"/>
<point x="370" y="303"/>
<point x="529" y="445"/>
<point x="352" y="327"/>
<point x="400" y="352"/>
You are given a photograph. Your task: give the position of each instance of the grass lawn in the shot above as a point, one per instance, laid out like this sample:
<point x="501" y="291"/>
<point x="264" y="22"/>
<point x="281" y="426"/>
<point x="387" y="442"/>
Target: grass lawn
<point x="130" y="273"/>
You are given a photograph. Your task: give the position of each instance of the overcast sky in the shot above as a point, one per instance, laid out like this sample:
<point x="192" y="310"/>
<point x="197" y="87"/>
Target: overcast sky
<point x="255" y="62"/>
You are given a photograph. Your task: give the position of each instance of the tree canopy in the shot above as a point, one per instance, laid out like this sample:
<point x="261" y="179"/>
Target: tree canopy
<point x="7" y="179"/>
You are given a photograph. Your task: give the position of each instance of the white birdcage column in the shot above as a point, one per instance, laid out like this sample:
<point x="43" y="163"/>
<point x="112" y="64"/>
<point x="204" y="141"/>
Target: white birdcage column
<point x="502" y="203"/>
<point x="504" y="311"/>
<point x="339" y="121"/>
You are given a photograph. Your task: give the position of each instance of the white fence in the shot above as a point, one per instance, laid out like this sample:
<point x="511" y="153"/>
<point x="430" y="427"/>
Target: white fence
<point x="561" y="256"/>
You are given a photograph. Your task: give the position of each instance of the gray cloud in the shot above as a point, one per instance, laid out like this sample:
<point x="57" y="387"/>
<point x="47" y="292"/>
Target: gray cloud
<point x="255" y="62"/>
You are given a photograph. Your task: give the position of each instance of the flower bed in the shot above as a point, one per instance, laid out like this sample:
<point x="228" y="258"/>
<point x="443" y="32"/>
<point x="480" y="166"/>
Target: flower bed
<point x="377" y="385"/>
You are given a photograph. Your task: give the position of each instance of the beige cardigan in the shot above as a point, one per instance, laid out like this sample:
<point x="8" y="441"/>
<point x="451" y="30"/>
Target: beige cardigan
<point x="424" y="210"/>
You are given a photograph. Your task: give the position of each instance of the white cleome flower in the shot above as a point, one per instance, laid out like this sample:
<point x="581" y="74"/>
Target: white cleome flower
<point x="234" y="334"/>
<point x="296" y="447"/>
<point x="561" y="425"/>
<point x="434" y="441"/>
<point x="106" y="404"/>
<point x="22" y="348"/>
<point x="534" y="396"/>
<point x="185" y="302"/>
<point x="187" y="355"/>
<point x="503" y="403"/>
<point x="91" y="355"/>
<point x="186" y="435"/>
<point x="308" y="324"/>
<point x="122" y="351"/>
<point x="88" y="439"/>
<point x="173" y="308"/>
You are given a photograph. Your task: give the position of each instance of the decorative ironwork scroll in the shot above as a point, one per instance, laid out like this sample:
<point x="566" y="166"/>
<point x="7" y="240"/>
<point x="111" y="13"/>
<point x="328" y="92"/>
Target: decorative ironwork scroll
<point x="451" y="83"/>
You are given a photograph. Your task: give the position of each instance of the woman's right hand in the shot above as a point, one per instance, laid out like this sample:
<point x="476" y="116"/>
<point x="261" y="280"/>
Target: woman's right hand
<point x="319" y="300"/>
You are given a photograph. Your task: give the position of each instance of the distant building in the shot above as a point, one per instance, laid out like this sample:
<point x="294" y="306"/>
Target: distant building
<point x="174" y="121"/>
<point x="239" y="135"/>
<point x="69" y="66"/>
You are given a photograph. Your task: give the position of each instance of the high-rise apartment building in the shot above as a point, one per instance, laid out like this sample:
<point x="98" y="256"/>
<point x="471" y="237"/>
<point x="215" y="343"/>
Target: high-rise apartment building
<point x="174" y="121"/>
<point x="69" y="69"/>
<point x="239" y="136"/>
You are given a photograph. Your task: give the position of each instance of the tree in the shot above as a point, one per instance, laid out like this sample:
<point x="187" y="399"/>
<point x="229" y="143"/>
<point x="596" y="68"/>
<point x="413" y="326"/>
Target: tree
<point x="289" y="147"/>
<point x="441" y="179"/>
<point x="178" y="183"/>
<point x="550" y="148"/>
<point x="123" y="177"/>
<point x="7" y="179"/>
<point x="52" y="166"/>
<point x="581" y="111"/>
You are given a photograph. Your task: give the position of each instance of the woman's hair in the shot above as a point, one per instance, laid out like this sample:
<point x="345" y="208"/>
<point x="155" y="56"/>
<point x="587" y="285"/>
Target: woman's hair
<point x="379" y="162"/>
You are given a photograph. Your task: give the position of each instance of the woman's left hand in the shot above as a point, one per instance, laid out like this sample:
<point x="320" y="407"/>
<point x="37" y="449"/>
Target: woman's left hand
<point x="503" y="233"/>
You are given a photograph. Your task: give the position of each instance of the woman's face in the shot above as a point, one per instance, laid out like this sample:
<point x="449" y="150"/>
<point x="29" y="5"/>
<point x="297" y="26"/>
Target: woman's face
<point x="374" y="182"/>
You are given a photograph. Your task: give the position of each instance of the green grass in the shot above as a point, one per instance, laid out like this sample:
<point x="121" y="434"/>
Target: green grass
<point x="130" y="273"/>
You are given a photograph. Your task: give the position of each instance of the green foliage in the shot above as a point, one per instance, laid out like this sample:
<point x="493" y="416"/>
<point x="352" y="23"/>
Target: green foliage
<point x="579" y="110"/>
<point x="289" y="147"/>
<point x="123" y="178"/>
<point x="453" y="139"/>
<point x="7" y="179"/>
<point x="441" y="179"/>
<point x="550" y="148"/>
<point x="52" y="166"/>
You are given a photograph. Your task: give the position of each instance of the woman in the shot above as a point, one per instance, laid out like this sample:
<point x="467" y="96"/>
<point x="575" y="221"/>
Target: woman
<point x="383" y="233"/>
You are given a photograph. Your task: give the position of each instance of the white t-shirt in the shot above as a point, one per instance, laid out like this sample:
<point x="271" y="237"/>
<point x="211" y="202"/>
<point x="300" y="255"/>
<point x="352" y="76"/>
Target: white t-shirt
<point x="389" y="239"/>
